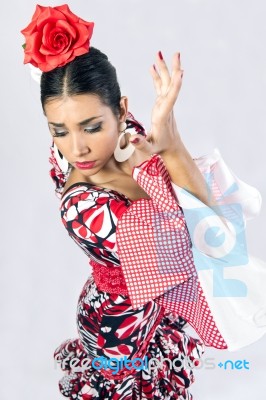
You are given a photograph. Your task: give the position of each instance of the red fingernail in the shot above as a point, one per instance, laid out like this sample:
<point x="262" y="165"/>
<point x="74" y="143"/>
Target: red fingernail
<point x="135" y="140"/>
<point x="179" y="56"/>
<point x="154" y="67"/>
<point x="160" y="55"/>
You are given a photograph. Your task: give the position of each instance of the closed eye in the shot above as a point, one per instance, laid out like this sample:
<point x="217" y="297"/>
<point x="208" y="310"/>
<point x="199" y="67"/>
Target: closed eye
<point x="93" y="129"/>
<point x="59" y="134"/>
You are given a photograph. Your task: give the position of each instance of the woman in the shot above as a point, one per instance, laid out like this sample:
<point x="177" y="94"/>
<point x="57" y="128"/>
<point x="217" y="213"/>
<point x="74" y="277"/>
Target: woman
<point x="112" y="178"/>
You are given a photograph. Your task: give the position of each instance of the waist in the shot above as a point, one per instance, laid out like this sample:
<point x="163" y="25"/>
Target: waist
<point x="109" y="279"/>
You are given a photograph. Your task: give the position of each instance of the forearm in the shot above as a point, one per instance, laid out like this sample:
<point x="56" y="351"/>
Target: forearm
<point x="184" y="173"/>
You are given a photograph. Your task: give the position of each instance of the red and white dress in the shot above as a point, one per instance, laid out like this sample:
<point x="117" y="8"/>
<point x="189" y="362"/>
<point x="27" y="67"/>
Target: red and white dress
<point x="108" y="325"/>
<point x="152" y="274"/>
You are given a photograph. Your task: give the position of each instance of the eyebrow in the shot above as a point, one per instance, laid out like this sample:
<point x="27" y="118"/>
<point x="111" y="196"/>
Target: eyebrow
<point x="85" y="122"/>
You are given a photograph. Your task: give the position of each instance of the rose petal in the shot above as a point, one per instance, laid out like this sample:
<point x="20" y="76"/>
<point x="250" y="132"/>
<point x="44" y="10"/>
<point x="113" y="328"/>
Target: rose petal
<point x="52" y="48"/>
<point x="60" y="58"/>
<point x="45" y="67"/>
<point x="66" y="26"/>
<point x="28" y="59"/>
<point x="84" y="35"/>
<point x="59" y="41"/>
<point x="32" y="49"/>
<point x="62" y="43"/>
<point x="46" y="29"/>
<point x="68" y="13"/>
<point x="50" y="15"/>
<point x="51" y="34"/>
<point x="33" y="43"/>
<point x="31" y="27"/>
<point x="82" y="21"/>
<point x="81" y="50"/>
<point x="39" y="9"/>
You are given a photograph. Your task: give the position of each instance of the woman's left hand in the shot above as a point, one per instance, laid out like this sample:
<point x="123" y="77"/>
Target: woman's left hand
<point x="163" y="136"/>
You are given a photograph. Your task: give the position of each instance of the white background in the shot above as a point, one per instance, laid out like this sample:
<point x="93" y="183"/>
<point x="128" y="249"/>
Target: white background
<point x="221" y="103"/>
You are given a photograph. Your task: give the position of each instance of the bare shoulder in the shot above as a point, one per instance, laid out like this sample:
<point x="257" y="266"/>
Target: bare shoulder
<point x="72" y="178"/>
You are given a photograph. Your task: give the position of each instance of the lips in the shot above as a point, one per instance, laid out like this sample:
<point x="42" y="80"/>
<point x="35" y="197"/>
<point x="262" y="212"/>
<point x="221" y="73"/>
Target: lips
<point x="85" y="165"/>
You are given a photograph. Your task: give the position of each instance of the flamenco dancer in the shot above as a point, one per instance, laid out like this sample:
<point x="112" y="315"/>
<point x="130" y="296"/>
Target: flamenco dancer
<point x="129" y="199"/>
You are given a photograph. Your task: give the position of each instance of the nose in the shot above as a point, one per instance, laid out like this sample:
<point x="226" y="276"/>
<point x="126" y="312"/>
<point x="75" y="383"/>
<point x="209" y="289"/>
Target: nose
<point x="79" y="146"/>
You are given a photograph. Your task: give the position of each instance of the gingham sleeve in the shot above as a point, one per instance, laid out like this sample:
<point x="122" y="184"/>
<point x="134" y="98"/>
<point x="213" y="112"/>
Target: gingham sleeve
<point x="147" y="231"/>
<point x="155" y="252"/>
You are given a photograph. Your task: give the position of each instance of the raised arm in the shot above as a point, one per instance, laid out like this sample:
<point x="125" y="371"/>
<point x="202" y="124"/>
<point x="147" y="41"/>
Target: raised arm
<point x="164" y="138"/>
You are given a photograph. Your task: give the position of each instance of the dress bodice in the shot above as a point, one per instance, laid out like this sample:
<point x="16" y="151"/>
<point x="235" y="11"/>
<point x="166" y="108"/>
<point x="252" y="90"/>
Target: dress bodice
<point x="90" y="215"/>
<point x="149" y="235"/>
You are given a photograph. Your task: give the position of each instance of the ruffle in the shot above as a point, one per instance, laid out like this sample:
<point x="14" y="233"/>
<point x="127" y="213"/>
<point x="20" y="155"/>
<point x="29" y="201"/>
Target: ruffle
<point x="58" y="176"/>
<point x="159" y="383"/>
<point x="232" y="280"/>
<point x="226" y="188"/>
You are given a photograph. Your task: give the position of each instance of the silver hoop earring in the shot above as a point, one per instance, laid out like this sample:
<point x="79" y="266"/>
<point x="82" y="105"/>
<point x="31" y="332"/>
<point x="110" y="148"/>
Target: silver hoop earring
<point x="61" y="161"/>
<point x="123" y="154"/>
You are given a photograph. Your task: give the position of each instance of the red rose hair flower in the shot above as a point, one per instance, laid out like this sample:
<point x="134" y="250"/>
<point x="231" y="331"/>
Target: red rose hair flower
<point x="55" y="36"/>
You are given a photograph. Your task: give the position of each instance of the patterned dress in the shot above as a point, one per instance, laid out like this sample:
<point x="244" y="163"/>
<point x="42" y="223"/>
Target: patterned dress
<point x="120" y="350"/>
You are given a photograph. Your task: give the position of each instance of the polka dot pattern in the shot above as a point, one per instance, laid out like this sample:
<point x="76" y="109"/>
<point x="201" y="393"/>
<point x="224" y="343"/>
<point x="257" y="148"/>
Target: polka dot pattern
<point x="154" y="249"/>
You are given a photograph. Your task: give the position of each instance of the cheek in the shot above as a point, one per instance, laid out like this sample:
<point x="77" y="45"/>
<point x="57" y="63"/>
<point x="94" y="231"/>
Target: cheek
<point x="107" y="142"/>
<point x="62" y="147"/>
<point x="59" y="144"/>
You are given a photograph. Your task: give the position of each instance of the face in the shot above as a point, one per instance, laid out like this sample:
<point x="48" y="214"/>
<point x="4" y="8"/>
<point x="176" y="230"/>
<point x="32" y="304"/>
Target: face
<point x="85" y="130"/>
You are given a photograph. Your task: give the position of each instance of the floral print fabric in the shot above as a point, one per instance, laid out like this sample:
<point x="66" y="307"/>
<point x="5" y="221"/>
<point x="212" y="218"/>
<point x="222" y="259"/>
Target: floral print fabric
<point x="107" y="324"/>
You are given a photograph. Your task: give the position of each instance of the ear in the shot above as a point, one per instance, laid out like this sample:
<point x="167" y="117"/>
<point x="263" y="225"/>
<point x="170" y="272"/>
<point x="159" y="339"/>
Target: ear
<point x="123" y="108"/>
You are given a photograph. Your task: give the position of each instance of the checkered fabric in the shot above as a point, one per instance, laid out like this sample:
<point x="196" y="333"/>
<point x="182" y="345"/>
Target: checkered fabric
<point x="154" y="249"/>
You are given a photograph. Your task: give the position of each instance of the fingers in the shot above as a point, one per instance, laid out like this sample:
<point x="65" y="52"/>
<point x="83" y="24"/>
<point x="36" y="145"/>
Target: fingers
<point x="176" y="79"/>
<point x="141" y="143"/>
<point x="176" y="62"/>
<point x="164" y="73"/>
<point x="163" y="81"/>
<point x="161" y="75"/>
<point x="156" y="79"/>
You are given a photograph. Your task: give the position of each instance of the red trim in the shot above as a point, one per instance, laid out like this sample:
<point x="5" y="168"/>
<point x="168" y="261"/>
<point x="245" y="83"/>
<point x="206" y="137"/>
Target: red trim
<point x="145" y="164"/>
<point x="109" y="279"/>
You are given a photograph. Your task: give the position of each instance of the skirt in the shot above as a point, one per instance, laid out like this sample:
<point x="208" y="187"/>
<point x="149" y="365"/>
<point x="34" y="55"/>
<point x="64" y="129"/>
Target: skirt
<point x="126" y="354"/>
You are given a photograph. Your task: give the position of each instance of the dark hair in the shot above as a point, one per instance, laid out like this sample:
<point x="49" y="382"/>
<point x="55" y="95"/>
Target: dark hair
<point x="90" y="73"/>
